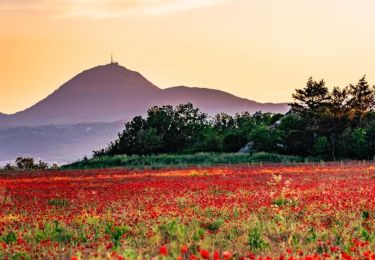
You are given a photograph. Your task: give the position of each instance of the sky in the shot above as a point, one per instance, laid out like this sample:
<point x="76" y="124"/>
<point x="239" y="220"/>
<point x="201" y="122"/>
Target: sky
<point x="257" y="49"/>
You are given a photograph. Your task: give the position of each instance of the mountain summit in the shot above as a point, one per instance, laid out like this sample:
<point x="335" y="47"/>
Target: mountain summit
<point x="111" y="92"/>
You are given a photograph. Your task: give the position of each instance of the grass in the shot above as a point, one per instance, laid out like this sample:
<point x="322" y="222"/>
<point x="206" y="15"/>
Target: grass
<point x="180" y="160"/>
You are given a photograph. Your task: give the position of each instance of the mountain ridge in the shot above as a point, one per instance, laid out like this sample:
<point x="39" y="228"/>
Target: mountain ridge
<point x="111" y="92"/>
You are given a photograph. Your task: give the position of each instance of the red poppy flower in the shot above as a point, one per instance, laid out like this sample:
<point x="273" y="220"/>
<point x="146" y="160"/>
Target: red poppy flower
<point x="184" y="249"/>
<point x="205" y="254"/>
<point x="163" y="250"/>
<point x="192" y="257"/>
<point x="216" y="255"/>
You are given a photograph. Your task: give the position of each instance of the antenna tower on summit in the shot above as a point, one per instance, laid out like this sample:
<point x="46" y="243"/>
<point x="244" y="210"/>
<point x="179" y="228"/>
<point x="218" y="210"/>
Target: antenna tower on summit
<point x="112" y="60"/>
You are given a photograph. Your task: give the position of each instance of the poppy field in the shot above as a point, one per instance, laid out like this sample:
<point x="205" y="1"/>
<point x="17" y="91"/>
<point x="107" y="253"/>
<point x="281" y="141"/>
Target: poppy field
<point x="303" y="211"/>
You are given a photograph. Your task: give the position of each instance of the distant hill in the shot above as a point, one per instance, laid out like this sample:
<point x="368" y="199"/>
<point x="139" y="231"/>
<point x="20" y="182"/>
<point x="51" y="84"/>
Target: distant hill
<point x="112" y="93"/>
<point x="213" y="101"/>
<point x="78" y="117"/>
<point x="58" y="144"/>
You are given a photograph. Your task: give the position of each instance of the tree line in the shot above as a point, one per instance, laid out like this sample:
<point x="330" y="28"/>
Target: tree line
<point x="27" y="164"/>
<point x="322" y="123"/>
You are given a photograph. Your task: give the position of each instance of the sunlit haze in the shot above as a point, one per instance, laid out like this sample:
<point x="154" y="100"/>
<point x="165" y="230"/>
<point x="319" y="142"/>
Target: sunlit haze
<point x="257" y="49"/>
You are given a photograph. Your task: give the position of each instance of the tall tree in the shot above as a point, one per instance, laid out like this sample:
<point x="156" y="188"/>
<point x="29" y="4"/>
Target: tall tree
<point x="311" y="98"/>
<point x="339" y="102"/>
<point x="361" y="100"/>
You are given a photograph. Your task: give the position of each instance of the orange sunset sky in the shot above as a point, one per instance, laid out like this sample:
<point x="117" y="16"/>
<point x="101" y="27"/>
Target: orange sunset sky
<point x="257" y="49"/>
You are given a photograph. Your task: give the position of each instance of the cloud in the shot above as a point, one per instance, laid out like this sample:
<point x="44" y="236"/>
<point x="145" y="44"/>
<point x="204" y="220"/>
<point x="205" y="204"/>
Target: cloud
<point x="105" y="8"/>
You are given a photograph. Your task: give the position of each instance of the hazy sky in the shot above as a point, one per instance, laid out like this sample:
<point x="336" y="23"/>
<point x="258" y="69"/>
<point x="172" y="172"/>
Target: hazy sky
<point x="257" y="49"/>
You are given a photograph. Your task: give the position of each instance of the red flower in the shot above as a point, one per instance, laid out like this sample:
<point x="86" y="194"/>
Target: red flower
<point x="109" y="246"/>
<point x="334" y="248"/>
<point x="192" y="257"/>
<point x="74" y="258"/>
<point x="184" y="249"/>
<point x="205" y="254"/>
<point x="346" y="256"/>
<point x="163" y="250"/>
<point x="227" y="255"/>
<point x="367" y="253"/>
<point x="216" y="255"/>
<point x="4" y="245"/>
<point x="251" y="256"/>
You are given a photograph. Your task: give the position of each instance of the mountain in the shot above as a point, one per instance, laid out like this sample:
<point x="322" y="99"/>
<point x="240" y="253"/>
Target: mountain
<point x="112" y="93"/>
<point x="101" y="94"/>
<point x="88" y="111"/>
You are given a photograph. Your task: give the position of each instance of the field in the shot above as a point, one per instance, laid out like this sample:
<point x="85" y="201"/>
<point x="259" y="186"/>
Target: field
<point x="306" y="211"/>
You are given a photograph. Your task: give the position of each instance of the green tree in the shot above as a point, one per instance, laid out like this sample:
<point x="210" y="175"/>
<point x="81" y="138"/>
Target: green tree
<point x="361" y="100"/>
<point x="291" y="122"/>
<point x="321" y="147"/>
<point x="311" y="98"/>
<point x="358" y="142"/>
<point x="165" y="130"/>
<point x="148" y="141"/>
<point x="234" y="140"/>
<point x="267" y="139"/>
<point x="299" y="142"/>
<point x="212" y="141"/>
<point x="223" y="122"/>
<point x="370" y="139"/>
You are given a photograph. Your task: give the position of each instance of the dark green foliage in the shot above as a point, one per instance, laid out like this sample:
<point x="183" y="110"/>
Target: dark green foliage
<point x="332" y="124"/>
<point x="267" y="139"/>
<point x="358" y="143"/>
<point x="299" y="142"/>
<point x="165" y="130"/>
<point x="234" y="140"/>
<point x="214" y="225"/>
<point x="184" y="129"/>
<point x="10" y="238"/>
<point x="58" y="202"/>
<point x="321" y="147"/>
<point x="365" y="214"/>
<point x="256" y="241"/>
